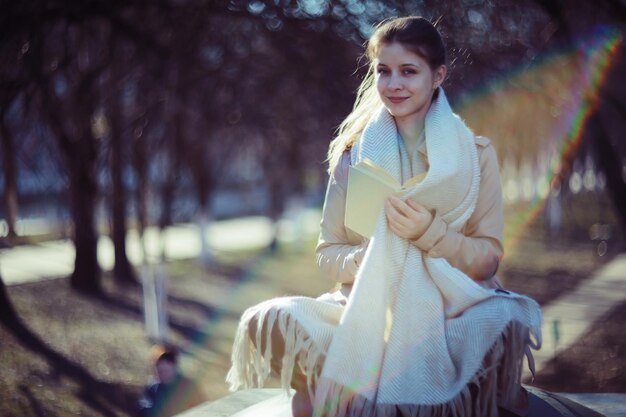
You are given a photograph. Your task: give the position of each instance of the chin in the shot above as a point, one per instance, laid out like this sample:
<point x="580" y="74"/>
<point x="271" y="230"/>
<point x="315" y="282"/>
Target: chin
<point x="394" y="111"/>
<point x="398" y="114"/>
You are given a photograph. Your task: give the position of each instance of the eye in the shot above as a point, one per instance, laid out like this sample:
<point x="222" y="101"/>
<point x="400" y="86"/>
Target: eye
<point x="382" y="71"/>
<point x="409" y="71"/>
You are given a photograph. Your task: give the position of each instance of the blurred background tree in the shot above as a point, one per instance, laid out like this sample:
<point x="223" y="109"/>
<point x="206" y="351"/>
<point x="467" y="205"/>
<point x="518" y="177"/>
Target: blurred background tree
<point x="149" y="113"/>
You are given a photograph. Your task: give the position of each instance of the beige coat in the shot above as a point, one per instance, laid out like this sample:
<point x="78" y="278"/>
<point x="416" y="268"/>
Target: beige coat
<point x="476" y="251"/>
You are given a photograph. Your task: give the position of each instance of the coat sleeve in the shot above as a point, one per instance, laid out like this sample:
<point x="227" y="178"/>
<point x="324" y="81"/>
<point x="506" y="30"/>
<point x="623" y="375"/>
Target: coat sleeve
<point x="477" y="250"/>
<point x="336" y="256"/>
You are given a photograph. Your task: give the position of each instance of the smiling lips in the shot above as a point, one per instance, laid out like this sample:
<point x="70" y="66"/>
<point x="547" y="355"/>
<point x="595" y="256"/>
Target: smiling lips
<point x="396" y="100"/>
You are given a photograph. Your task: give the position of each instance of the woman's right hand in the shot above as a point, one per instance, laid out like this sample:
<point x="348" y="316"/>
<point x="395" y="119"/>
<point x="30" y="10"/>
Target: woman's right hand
<point x="407" y="219"/>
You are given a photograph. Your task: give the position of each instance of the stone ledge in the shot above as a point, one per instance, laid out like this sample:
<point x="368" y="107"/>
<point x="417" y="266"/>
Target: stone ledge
<point x="256" y="402"/>
<point x="234" y="403"/>
<point x="611" y="405"/>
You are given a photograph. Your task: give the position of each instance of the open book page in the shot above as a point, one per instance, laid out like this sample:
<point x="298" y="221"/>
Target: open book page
<point x="368" y="188"/>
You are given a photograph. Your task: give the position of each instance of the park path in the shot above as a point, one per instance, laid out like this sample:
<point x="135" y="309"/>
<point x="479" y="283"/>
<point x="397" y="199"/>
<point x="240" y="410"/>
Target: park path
<point x="570" y="316"/>
<point x="55" y="259"/>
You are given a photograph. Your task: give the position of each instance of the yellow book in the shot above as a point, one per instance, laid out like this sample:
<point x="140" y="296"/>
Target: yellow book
<point x="368" y="187"/>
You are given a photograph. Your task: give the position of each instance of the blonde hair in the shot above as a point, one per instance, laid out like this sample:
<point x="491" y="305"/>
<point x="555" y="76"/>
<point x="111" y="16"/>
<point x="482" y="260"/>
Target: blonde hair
<point x="414" y="33"/>
<point x="366" y="103"/>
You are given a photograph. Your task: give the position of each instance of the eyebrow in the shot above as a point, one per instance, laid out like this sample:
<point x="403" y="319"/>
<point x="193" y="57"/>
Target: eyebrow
<point x="401" y="65"/>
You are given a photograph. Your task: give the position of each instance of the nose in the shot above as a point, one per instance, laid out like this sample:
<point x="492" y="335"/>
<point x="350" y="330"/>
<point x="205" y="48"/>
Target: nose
<point x="395" y="83"/>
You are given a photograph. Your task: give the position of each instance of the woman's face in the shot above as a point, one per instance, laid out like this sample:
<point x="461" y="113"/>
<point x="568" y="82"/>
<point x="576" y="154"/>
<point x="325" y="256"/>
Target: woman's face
<point x="405" y="81"/>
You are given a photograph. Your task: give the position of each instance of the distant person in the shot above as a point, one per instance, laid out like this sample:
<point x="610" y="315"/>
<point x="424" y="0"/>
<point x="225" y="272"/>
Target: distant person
<point x="171" y="392"/>
<point x="421" y="325"/>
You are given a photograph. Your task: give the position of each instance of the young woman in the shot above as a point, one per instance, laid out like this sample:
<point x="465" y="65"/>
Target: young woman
<point x="420" y="326"/>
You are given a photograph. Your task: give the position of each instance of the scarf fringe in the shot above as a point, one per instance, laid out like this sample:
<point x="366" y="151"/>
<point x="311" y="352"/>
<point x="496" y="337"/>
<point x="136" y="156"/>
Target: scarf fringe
<point x="497" y="383"/>
<point x="251" y="365"/>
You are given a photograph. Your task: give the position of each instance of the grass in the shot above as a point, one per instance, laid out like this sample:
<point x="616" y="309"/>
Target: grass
<point x="90" y="356"/>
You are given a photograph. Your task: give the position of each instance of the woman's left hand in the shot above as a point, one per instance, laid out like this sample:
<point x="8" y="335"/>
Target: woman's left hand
<point x="407" y="219"/>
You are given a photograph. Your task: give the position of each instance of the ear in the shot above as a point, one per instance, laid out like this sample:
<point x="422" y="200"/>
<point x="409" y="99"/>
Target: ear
<point x="439" y="76"/>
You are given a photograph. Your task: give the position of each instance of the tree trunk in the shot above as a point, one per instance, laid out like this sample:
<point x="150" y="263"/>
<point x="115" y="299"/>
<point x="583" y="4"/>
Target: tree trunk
<point x="275" y="190"/>
<point x="610" y="163"/>
<point x="142" y="201"/>
<point x="141" y="197"/>
<point x="168" y="192"/>
<point x="7" y="312"/>
<point x="167" y="195"/>
<point x="80" y="153"/>
<point x="204" y="220"/>
<point x="10" y="180"/>
<point x="83" y="189"/>
<point x="122" y="270"/>
<point x="202" y="173"/>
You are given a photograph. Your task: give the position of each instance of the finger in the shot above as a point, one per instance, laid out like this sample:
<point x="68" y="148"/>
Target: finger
<point x="414" y="216"/>
<point x="396" y="229"/>
<point x="416" y="206"/>
<point x="395" y="216"/>
<point x="401" y="227"/>
<point x="402" y="207"/>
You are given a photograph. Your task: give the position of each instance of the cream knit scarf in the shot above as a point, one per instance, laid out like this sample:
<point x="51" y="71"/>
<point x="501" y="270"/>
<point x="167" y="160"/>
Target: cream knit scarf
<point x="417" y="337"/>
